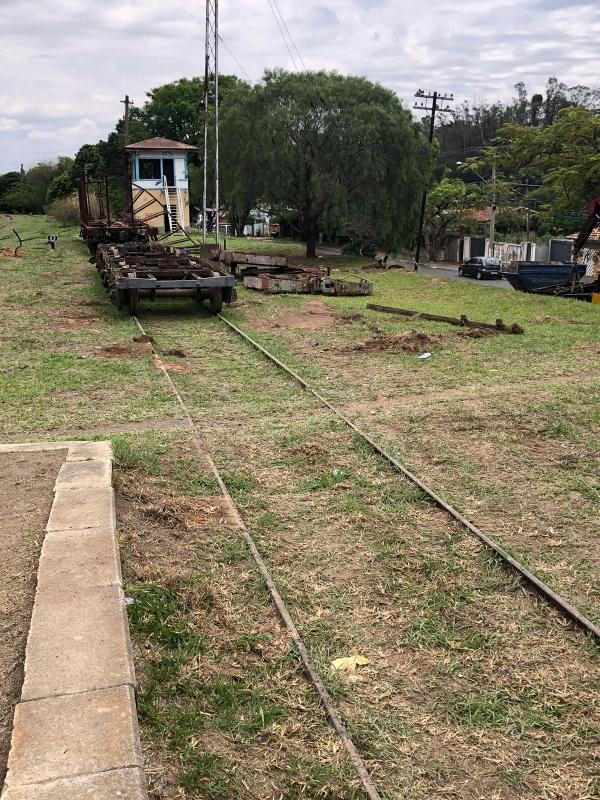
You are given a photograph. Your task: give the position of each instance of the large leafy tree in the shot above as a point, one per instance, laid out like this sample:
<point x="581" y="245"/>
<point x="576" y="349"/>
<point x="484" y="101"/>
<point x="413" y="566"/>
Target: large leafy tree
<point x="448" y="211"/>
<point x="176" y="111"/>
<point x="8" y="181"/>
<point x="242" y="154"/>
<point x="341" y="155"/>
<point x="566" y="158"/>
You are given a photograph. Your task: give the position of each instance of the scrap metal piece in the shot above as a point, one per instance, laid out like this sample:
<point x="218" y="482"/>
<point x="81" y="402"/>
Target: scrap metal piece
<point x="461" y="321"/>
<point x="235" y="257"/>
<point x="303" y="280"/>
<point x="335" y="286"/>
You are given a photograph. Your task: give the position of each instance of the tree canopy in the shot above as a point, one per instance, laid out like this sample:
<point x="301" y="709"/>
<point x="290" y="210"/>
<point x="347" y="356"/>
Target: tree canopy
<point x="28" y="193"/>
<point x="448" y="212"/>
<point x="342" y="155"/>
<point x="473" y="126"/>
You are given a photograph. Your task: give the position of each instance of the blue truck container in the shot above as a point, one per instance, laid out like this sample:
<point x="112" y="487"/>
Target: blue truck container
<point x="535" y="276"/>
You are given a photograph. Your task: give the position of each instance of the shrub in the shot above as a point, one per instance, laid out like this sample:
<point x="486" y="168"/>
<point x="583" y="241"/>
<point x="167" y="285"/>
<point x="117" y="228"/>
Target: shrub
<point x="65" y="210"/>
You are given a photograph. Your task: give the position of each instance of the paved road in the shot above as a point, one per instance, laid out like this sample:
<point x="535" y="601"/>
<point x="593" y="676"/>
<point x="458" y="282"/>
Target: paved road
<point x="436" y="272"/>
<point x="452" y="275"/>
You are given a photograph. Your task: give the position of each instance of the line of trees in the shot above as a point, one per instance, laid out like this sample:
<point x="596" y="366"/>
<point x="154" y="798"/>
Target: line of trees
<point x="30" y="192"/>
<point x="544" y="152"/>
<point x="341" y="157"/>
<point x="329" y="154"/>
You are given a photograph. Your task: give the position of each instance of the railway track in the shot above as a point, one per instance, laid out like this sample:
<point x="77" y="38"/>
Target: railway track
<point x="531" y="580"/>
<point x="335" y="719"/>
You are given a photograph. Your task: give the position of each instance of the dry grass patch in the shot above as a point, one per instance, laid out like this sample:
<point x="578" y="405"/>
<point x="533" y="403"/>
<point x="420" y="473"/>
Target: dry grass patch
<point x="225" y="710"/>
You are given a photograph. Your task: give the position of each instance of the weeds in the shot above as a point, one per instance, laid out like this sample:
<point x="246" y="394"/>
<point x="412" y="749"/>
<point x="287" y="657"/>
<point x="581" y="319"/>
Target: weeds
<point x="527" y="709"/>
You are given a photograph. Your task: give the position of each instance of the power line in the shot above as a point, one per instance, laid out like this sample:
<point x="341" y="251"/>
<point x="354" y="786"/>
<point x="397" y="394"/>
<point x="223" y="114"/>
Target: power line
<point x="275" y="17"/>
<point x="315" y="86"/>
<point x="226" y="46"/>
<point x="290" y="36"/>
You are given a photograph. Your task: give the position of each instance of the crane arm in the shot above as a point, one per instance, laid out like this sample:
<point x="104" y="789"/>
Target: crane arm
<point x="593" y="219"/>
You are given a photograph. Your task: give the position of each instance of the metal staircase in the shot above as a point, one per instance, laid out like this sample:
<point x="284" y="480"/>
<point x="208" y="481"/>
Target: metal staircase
<point x="173" y="206"/>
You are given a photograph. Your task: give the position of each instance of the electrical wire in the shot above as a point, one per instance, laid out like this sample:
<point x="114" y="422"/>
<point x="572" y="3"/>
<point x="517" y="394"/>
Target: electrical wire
<point x="275" y="17"/>
<point x="290" y="36"/>
<point x="226" y="46"/>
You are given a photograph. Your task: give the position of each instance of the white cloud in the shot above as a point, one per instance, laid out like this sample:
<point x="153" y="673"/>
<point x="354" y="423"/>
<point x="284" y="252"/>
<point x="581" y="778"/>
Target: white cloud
<point x="10" y="124"/>
<point x="70" y="62"/>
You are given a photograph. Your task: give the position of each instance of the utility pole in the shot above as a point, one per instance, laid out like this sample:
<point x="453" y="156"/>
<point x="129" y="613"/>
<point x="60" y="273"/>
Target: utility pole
<point x="434" y="108"/>
<point x="128" y="177"/>
<point x="211" y="73"/>
<point x="217" y="208"/>
<point x="528" y="228"/>
<point x="493" y="209"/>
<point x="205" y="161"/>
<point x="127" y="103"/>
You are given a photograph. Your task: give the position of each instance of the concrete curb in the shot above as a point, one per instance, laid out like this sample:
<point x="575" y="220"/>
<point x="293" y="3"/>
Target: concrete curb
<point x="75" y="733"/>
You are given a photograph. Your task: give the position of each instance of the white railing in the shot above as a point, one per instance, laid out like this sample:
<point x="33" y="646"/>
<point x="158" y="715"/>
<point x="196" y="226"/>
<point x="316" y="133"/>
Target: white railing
<point x="180" y="207"/>
<point x="178" y="218"/>
<point x="167" y="203"/>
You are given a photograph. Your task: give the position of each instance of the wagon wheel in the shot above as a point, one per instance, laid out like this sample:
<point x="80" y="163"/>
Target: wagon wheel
<point x="119" y="297"/>
<point x="215" y="298"/>
<point x="133" y="301"/>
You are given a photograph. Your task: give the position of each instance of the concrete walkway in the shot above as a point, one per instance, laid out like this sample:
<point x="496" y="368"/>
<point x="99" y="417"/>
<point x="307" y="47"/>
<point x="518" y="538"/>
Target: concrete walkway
<point x="75" y="734"/>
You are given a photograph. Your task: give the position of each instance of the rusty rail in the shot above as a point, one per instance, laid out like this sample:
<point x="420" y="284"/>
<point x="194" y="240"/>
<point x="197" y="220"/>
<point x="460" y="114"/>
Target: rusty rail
<point x="566" y="608"/>
<point x="313" y="674"/>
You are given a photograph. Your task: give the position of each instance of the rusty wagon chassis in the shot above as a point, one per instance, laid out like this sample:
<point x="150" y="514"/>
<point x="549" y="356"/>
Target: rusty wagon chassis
<point x="137" y="270"/>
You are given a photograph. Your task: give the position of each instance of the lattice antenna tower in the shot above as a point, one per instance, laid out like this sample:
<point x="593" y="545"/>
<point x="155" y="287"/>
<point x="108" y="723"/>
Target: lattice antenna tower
<point x="211" y="97"/>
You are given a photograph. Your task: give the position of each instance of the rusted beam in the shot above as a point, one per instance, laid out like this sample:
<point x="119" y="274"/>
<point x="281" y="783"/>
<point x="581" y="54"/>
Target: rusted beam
<point x="461" y="321"/>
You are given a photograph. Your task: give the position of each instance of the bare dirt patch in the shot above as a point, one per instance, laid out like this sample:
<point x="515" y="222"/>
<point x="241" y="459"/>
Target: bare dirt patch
<point x="26" y="481"/>
<point x="476" y="333"/>
<point x="135" y="350"/>
<point x="67" y="321"/>
<point x="170" y="366"/>
<point x="224" y="711"/>
<point x="313" y="316"/>
<point x="549" y="318"/>
<point x="409" y="342"/>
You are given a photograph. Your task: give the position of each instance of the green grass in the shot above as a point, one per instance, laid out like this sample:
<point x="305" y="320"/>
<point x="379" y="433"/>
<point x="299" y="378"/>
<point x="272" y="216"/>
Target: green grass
<point x="271" y="246"/>
<point x="55" y="319"/>
<point x="173" y="703"/>
<point x="527" y="710"/>
<point x="433" y="632"/>
<point x="158" y="615"/>
<point x="363" y="560"/>
<point x="208" y="775"/>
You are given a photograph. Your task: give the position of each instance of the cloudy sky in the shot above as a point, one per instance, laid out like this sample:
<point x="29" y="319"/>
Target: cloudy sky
<point x="65" y="64"/>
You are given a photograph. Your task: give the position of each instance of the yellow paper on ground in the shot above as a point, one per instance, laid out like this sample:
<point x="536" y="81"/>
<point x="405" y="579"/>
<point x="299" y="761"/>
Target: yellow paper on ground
<point x="349" y="663"/>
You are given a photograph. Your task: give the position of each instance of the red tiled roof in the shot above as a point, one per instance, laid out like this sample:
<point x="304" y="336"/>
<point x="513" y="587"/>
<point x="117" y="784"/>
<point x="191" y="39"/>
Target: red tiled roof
<point x="481" y="214"/>
<point x="484" y="214"/>
<point x="593" y="237"/>
<point x="159" y="143"/>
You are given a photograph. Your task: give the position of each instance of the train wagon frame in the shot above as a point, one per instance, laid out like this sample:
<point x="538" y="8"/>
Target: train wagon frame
<point x="99" y="225"/>
<point x="135" y="270"/>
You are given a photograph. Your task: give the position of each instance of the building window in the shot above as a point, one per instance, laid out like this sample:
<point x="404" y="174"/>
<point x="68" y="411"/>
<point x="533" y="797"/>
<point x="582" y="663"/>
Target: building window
<point x="149" y="169"/>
